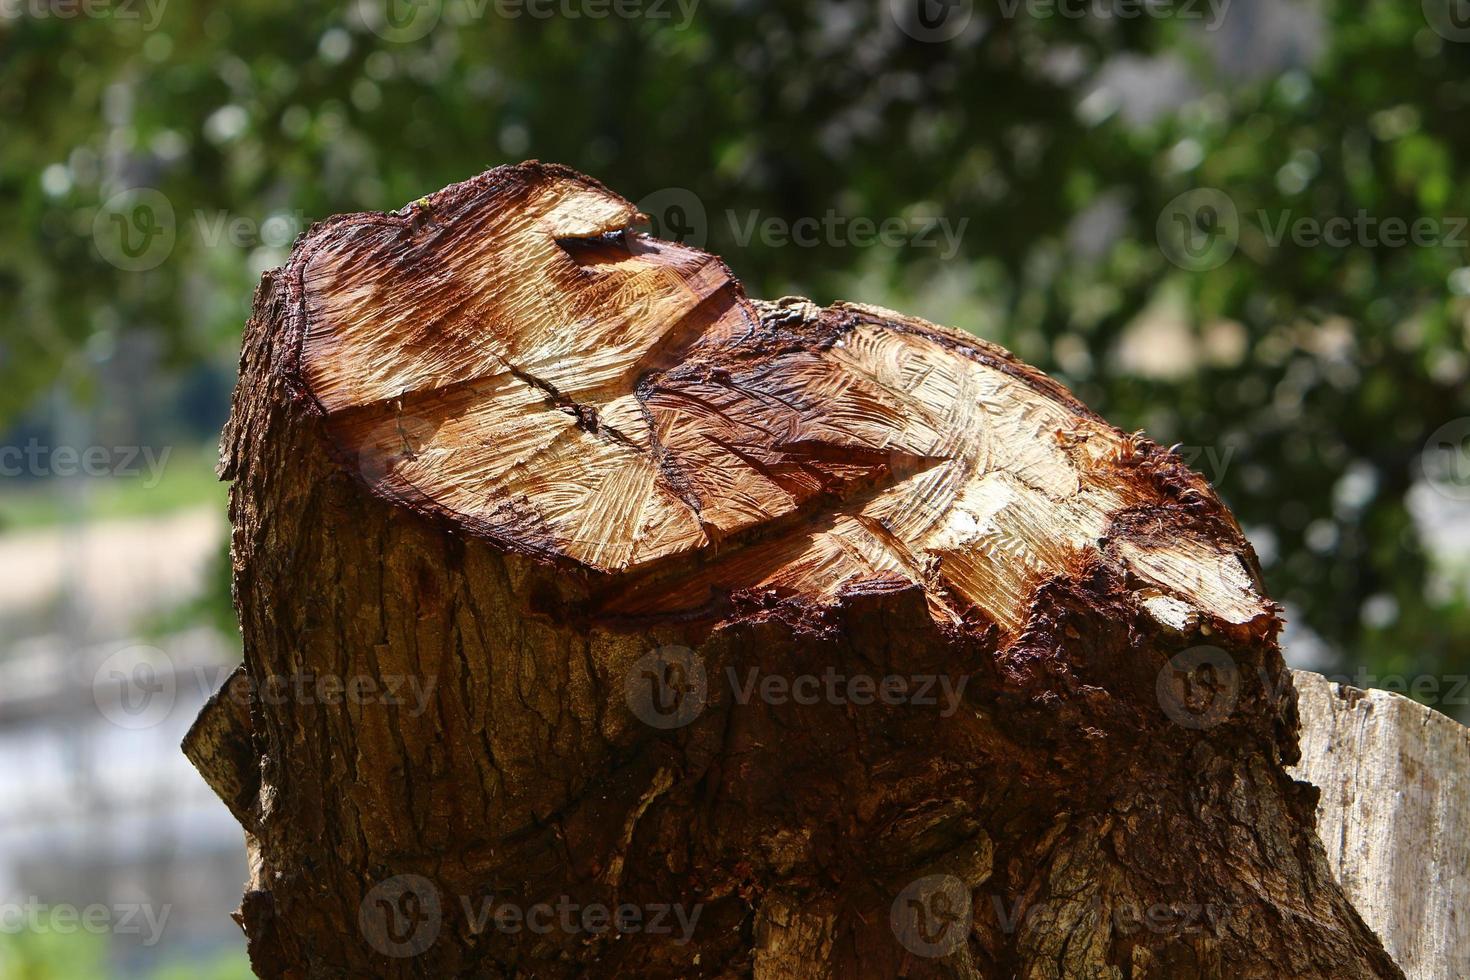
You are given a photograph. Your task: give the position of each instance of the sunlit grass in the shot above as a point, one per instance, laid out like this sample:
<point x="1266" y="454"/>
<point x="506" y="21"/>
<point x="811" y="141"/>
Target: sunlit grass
<point x="31" y="955"/>
<point x="50" y="956"/>
<point x="234" y="965"/>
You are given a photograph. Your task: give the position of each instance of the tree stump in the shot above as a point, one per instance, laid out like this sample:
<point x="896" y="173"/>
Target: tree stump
<point x="601" y="622"/>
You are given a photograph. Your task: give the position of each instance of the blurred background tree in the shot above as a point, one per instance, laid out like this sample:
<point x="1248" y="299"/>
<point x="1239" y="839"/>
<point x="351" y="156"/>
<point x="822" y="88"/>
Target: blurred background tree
<point x="1303" y="380"/>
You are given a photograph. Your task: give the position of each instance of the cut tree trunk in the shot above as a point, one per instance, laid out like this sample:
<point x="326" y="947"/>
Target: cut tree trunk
<point x="600" y="622"/>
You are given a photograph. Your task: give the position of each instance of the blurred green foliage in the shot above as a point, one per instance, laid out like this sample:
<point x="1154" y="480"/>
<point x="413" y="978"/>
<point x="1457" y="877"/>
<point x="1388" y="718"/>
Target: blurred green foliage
<point x="1307" y="378"/>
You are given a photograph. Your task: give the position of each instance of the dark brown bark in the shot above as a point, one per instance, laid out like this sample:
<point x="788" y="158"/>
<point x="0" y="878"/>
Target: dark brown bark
<point x="704" y="488"/>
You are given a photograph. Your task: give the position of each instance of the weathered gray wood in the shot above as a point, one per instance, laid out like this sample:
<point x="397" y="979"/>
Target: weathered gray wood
<point x="1394" y="817"/>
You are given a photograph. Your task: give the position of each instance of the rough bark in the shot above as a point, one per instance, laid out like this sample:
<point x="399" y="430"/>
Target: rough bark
<point x="1394" y="817"/>
<point x="570" y="485"/>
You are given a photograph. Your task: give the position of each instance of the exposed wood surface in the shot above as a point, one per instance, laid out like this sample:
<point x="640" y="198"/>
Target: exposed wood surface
<point x="522" y="363"/>
<point x="505" y="447"/>
<point x="1394" y="817"/>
